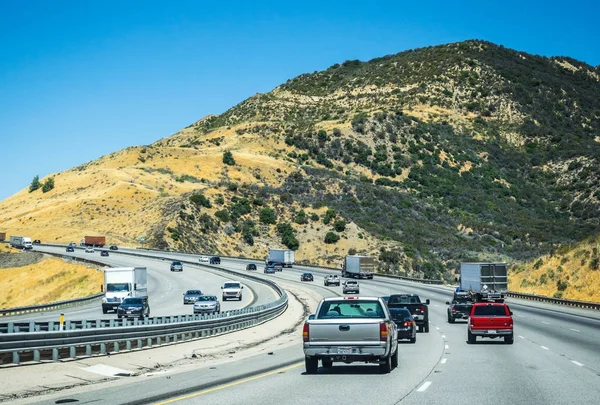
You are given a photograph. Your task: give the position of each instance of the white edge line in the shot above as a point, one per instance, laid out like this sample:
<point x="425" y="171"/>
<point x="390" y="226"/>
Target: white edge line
<point x="577" y="363"/>
<point x="444" y="360"/>
<point x="423" y="387"/>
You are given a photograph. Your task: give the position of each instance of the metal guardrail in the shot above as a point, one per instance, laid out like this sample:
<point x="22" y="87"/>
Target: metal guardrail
<point x="43" y="341"/>
<point x="541" y="298"/>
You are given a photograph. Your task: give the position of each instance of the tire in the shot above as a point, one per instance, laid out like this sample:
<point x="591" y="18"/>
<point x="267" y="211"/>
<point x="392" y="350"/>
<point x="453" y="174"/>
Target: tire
<point x="419" y="329"/>
<point x="104" y="310"/>
<point x="450" y="319"/>
<point x="240" y="298"/>
<point x="386" y="366"/>
<point x="311" y="364"/>
<point x="327" y="363"/>
<point x="509" y="339"/>
<point x="395" y="359"/>
<point x="119" y="316"/>
<point x="413" y="340"/>
<point x="471" y="339"/>
<point x="426" y="327"/>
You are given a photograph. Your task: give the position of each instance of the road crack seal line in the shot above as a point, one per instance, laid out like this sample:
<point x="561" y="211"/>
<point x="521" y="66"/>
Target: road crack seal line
<point x="429" y="374"/>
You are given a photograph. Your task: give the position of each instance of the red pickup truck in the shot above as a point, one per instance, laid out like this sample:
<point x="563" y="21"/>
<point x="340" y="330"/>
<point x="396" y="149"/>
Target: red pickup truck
<point x="490" y="320"/>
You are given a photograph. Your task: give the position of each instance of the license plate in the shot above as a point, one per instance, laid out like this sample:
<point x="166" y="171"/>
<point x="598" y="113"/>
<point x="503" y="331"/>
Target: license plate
<point x="491" y="332"/>
<point x="344" y="350"/>
<point x="128" y="312"/>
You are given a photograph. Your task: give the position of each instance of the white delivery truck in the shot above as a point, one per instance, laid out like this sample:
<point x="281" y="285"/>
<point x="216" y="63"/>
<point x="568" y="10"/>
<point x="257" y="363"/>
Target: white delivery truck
<point x="358" y="267"/>
<point x="484" y="281"/>
<point x="121" y="283"/>
<point x="21" y="242"/>
<point x="283" y="256"/>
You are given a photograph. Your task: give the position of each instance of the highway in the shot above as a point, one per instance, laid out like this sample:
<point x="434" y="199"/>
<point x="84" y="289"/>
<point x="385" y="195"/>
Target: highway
<point x="555" y="358"/>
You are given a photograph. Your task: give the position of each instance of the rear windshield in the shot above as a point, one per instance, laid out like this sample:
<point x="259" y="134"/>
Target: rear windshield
<point x="351" y="309"/>
<point x="404" y="299"/>
<point x="132" y="301"/>
<point x="490" y="310"/>
<point x="399" y="314"/>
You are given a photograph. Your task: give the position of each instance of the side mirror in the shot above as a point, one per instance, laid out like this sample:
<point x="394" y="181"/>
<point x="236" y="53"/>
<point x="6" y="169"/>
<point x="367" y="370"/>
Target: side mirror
<point x="242" y="287"/>
<point x="427" y="301"/>
<point x="311" y="317"/>
<point x="447" y="303"/>
<point x="510" y="313"/>
<point x="221" y="287"/>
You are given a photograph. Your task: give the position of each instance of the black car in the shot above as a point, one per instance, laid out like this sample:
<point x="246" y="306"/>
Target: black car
<point x="70" y="249"/>
<point x="133" y="308"/>
<point x="251" y="266"/>
<point x="277" y="265"/>
<point x="406" y="324"/>
<point x="104" y="253"/>
<point x="113" y="247"/>
<point x="36" y="242"/>
<point x="306" y="277"/>
<point x="215" y="260"/>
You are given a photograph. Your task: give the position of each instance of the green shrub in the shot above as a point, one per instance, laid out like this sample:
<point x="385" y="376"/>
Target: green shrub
<point x="223" y="215"/>
<point x="331" y="237"/>
<point x="314" y="217"/>
<point x="35" y="184"/>
<point x="228" y="158"/>
<point x="301" y="218"/>
<point x="200" y="200"/>
<point x="48" y="185"/>
<point x="268" y="216"/>
<point x="339" y="226"/>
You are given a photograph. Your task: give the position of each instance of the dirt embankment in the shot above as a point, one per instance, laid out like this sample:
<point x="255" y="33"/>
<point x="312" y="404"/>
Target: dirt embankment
<point x="9" y="260"/>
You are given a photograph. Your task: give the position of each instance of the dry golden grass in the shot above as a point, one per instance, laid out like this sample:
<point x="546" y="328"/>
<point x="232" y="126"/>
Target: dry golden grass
<point x="47" y="281"/>
<point x="572" y="266"/>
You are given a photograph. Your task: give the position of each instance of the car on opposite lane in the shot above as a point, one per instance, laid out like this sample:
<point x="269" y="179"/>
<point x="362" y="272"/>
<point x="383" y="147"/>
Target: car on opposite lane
<point x="176" y="266"/>
<point x="203" y="259"/>
<point x="306" y="277"/>
<point x="269" y="268"/>
<point x="104" y="253"/>
<point x="207" y="304"/>
<point x="251" y="266"/>
<point x="89" y="250"/>
<point x="215" y="260"/>
<point x="134" y="308"/>
<point x="232" y="289"/>
<point x="70" y="249"/>
<point x="113" y="247"/>
<point x="191" y="296"/>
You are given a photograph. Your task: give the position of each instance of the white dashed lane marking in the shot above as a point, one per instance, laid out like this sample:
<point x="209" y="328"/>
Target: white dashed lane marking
<point x="447" y="347"/>
<point x="544" y="347"/>
<point x="577" y="363"/>
<point x="546" y="323"/>
<point x="521" y="337"/>
<point x="423" y="387"/>
<point x="575" y="330"/>
<point x="444" y="360"/>
<point x="443" y="336"/>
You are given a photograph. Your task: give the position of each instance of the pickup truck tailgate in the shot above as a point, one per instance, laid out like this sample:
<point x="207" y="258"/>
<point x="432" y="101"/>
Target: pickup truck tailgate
<point x="351" y="331"/>
<point x="491" y="322"/>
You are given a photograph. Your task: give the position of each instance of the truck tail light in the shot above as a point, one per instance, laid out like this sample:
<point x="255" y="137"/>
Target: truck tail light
<point x="305" y="333"/>
<point x="407" y="323"/>
<point x="383" y="331"/>
<point x="453" y="309"/>
<point x="422" y="309"/>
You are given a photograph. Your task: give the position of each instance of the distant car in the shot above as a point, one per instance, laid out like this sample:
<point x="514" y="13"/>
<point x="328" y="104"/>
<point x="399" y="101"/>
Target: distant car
<point x="176" y="266"/>
<point x="104" y="253"/>
<point x="204" y="259"/>
<point x="350" y="286"/>
<point x="215" y="260"/>
<point x="133" y="308"/>
<point x="306" y="277"/>
<point x="207" y="304"/>
<point x="89" y="250"/>
<point x="269" y="268"/>
<point x="331" y="279"/>
<point x="113" y="247"/>
<point x="191" y="296"/>
<point x="70" y="249"/>
<point x="72" y="244"/>
<point x="277" y="265"/>
<point x="232" y="289"/>
<point x="407" y="329"/>
<point x="251" y="266"/>
<point x="36" y="242"/>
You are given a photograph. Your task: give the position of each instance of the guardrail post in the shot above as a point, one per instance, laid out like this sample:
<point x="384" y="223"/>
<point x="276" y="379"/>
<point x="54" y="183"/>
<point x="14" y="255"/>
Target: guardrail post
<point x="111" y="323"/>
<point x="174" y="338"/>
<point x="72" y="353"/>
<point x="116" y="347"/>
<point x="166" y="339"/>
<point x="15" y="358"/>
<point x="67" y="325"/>
<point x="36" y="355"/>
<point x="88" y="350"/>
<point x="31" y="326"/>
<point x="98" y="323"/>
<point x="50" y="326"/>
<point x="149" y="342"/>
<point x="55" y="354"/>
<point x="10" y="327"/>
<point x="128" y="345"/>
<point x="139" y="343"/>
<point x="102" y="348"/>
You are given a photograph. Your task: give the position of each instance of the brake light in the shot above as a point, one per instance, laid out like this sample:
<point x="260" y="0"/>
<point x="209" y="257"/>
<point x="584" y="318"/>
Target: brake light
<point x="453" y="309"/>
<point x="350" y="298"/>
<point x="408" y="323"/>
<point x="383" y="331"/>
<point x="305" y="333"/>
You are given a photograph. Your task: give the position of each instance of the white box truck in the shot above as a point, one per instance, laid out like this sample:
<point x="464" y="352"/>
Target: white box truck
<point x="484" y="281"/>
<point x="283" y="256"/>
<point x="21" y="242"/>
<point x="358" y="267"/>
<point x="123" y="282"/>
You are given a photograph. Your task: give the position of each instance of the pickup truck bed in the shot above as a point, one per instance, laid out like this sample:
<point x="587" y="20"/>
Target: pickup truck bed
<point x="351" y="329"/>
<point x="418" y="310"/>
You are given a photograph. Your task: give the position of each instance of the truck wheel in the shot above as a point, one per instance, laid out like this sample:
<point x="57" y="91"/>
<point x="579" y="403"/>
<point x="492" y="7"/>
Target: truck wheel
<point x="327" y="363"/>
<point x="470" y="337"/>
<point x="386" y="366"/>
<point x="104" y="310"/>
<point x="395" y="359"/>
<point x="509" y="339"/>
<point x="450" y="319"/>
<point x="240" y="298"/>
<point x="426" y="327"/>
<point x="311" y="364"/>
<point x="413" y="340"/>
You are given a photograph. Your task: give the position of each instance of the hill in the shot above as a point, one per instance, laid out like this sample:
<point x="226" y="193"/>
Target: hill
<point x="465" y="151"/>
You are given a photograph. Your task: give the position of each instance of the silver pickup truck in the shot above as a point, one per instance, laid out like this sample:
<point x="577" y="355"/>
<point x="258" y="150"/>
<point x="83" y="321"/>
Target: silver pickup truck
<point x="348" y="330"/>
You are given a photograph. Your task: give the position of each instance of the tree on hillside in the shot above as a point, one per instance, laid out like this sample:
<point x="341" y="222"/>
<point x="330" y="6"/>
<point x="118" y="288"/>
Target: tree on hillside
<point x="331" y="237"/>
<point x="35" y="184"/>
<point x="48" y="185"/>
<point x="228" y="158"/>
<point x="268" y="216"/>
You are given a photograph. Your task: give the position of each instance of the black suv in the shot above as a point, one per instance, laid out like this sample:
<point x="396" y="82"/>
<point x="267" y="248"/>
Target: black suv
<point x="113" y="247"/>
<point x="104" y="253"/>
<point x="251" y="266"/>
<point x="215" y="260"/>
<point x="70" y="249"/>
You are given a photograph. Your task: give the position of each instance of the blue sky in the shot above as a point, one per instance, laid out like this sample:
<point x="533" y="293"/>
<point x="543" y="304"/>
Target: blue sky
<point x="81" y="79"/>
